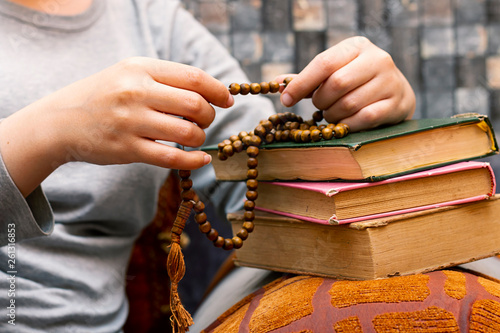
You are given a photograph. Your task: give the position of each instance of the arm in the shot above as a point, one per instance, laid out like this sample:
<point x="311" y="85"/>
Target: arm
<point x="106" y="120"/>
<point x="356" y="83"/>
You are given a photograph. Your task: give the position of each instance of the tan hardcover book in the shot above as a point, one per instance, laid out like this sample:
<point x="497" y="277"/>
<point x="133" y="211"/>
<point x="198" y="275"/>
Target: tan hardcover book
<point x="397" y="245"/>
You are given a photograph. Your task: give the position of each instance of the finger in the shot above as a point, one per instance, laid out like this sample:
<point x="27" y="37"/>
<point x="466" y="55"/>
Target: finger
<point x="165" y="156"/>
<point x="182" y="103"/>
<point x="348" y="78"/>
<point x="373" y="115"/>
<point x="320" y="68"/>
<point x="159" y="126"/>
<point x="356" y="100"/>
<point x="190" y="78"/>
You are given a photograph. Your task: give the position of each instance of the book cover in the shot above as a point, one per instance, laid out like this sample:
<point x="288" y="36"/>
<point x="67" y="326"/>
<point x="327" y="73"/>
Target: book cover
<point x="347" y="202"/>
<point x="397" y="245"/>
<point x="372" y="155"/>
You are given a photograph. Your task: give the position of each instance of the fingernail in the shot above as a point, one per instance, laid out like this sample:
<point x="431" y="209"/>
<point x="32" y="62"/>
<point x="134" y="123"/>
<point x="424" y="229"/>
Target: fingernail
<point x="207" y="159"/>
<point x="286" y="100"/>
<point x="230" y="101"/>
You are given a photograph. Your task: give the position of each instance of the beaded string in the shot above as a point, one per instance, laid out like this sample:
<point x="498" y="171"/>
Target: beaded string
<point x="281" y="127"/>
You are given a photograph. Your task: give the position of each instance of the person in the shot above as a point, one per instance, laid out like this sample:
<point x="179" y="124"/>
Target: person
<point x="100" y="100"/>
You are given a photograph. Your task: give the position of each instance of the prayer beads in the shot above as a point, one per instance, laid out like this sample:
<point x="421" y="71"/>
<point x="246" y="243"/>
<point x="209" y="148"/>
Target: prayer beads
<point x="257" y="88"/>
<point x="279" y="127"/>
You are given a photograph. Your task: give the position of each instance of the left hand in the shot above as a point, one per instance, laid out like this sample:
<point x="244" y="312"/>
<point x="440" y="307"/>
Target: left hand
<point x="354" y="82"/>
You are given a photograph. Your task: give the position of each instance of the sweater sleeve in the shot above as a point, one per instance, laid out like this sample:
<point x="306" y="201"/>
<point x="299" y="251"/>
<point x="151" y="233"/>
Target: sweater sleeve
<point x="187" y="41"/>
<point x="28" y="217"/>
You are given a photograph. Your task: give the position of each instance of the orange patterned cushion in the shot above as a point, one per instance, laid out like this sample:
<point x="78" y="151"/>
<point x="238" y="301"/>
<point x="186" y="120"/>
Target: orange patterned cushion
<point x="440" y="301"/>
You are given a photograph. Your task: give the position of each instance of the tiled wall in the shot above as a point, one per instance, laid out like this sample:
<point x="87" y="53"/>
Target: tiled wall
<point x="448" y="49"/>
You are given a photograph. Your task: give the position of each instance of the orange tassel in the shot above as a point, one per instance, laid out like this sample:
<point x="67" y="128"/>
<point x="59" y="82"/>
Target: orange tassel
<point x="181" y="319"/>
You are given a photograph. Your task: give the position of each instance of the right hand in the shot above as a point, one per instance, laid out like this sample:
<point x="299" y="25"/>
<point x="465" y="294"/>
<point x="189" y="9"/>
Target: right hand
<point x="114" y="117"/>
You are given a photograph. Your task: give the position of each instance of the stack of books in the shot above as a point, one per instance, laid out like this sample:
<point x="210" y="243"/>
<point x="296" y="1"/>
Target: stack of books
<point x="396" y="200"/>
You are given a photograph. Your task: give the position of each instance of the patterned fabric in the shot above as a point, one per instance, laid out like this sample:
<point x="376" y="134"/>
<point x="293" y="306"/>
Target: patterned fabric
<point x="440" y="301"/>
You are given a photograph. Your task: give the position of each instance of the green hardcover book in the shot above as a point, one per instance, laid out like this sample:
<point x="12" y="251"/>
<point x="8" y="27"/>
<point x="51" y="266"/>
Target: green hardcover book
<point x="372" y="155"/>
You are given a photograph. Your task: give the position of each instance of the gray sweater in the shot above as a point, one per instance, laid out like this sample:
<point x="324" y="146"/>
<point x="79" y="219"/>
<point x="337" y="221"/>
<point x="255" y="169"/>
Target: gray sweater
<point x="71" y="238"/>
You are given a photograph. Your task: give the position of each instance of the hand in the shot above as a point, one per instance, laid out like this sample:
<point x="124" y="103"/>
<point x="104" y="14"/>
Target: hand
<point x="356" y="83"/>
<point x="114" y="117"/>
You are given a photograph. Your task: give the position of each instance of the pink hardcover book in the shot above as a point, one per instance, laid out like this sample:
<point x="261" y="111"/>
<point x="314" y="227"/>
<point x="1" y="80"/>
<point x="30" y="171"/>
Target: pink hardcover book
<point x="339" y="203"/>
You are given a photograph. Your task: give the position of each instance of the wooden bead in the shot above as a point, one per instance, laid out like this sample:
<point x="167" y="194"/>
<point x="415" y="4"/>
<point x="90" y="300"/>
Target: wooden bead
<point x="290" y="116"/>
<point x="233" y="138"/>
<point x="184" y="174"/>
<point x="327" y="133"/>
<point x="200" y="218"/>
<point x="310" y="122"/>
<point x="221" y="156"/>
<point x="252" y="173"/>
<point x="303" y="126"/>
<point x="227" y="142"/>
<point x="228" y="150"/>
<point x="315" y="135"/>
<point x="248" y="226"/>
<point x="331" y="126"/>
<point x="237" y="146"/>
<point x="282" y="117"/>
<point x="237" y="242"/>
<point x="252" y="163"/>
<point x="245" y="88"/>
<point x="205" y="227"/>
<point x="213" y="234"/>
<point x="294" y="125"/>
<point x="338" y="132"/>
<point x="297" y="135"/>
<point x="188" y="195"/>
<point x="253" y="151"/>
<point x="247" y="140"/>
<point x="305" y="136"/>
<point x="346" y="127"/>
<point x="275" y="119"/>
<point x="317" y="116"/>
<point x="220" y="146"/>
<point x="186" y="184"/>
<point x="243" y="234"/>
<point x="268" y="125"/>
<point x="269" y="138"/>
<point x="219" y="241"/>
<point x="287" y="80"/>
<point x="242" y="134"/>
<point x="274" y="87"/>
<point x="249" y="205"/>
<point x="252" y="195"/>
<point x="228" y="244"/>
<point x="199" y="207"/>
<point x="252" y="184"/>
<point x="234" y="88"/>
<point x="255" y="140"/>
<point x="285" y="135"/>
<point x="260" y="131"/>
<point x="264" y="88"/>
<point x="249" y="215"/>
<point x="255" y="88"/>
<point x="277" y="135"/>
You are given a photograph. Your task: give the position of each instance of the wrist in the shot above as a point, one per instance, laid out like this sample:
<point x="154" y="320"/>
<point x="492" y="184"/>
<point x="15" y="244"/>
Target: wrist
<point x="30" y="149"/>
